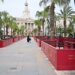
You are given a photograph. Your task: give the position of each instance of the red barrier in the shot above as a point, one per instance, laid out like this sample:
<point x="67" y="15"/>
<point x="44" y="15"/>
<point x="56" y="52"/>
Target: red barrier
<point x="50" y="52"/>
<point x="62" y="59"/>
<point x="1" y="43"/>
<point x="66" y="59"/>
<point x="19" y="37"/>
<point x="39" y="42"/>
<point x="6" y="42"/>
<point x="15" y="39"/>
<point x="9" y="41"/>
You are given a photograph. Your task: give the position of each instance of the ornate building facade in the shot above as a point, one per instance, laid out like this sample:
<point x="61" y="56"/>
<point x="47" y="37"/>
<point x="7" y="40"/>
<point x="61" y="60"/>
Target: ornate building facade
<point x="26" y="21"/>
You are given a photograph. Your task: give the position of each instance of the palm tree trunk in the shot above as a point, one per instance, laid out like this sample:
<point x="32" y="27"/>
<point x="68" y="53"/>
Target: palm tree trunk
<point x="38" y="31"/>
<point x="65" y="27"/>
<point x="4" y="32"/>
<point x="43" y="26"/>
<point x="7" y="30"/>
<point x="52" y="19"/>
<point x="55" y="28"/>
<point x="11" y="32"/>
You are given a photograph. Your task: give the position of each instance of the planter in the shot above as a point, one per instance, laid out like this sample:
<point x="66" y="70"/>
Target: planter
<point x="62" y="59"/>
<point x="66" y="59"/>
<point x="6" y="42"/>
<point x="50" y="41"/>
<point x="9" y="41"/>
<point x="39" y="42"/>
<point x="1" y="43"/>
<point x="15" y="39"/>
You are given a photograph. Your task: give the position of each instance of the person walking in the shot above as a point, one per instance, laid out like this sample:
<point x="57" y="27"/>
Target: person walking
<point x="28" y="38"/>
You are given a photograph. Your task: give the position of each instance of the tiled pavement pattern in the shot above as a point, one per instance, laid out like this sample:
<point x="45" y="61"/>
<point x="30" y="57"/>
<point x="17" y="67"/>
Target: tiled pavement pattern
<point x="22" y="58"/>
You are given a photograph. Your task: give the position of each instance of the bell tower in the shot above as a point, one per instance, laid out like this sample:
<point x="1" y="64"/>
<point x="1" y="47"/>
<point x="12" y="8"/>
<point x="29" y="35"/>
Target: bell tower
<point x="26" y="12"/>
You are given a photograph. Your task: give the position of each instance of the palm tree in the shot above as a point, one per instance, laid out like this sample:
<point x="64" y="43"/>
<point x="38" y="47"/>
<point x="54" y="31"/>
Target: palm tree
<point x="71" y="27"/>
<point x="7" y="26"/>
<point x="14" y="29"/>
<point x="57" y="19"/>
<point x="1" y="0"/>
<point x="35" y="31"/>
<point x="47" y="19"/>
<point x="38" y="23"/>
<point x="43" y="15"/>
<point x="43" y="2"/>
<point x="1" y="22"/>
<point x="11" y="24"/>
<point x="66" y="13"/>
<point x="5" y="21"/>
<point x="52" y="12"/>
<point x="40" y="15"/>
<point x="22" y="29"/>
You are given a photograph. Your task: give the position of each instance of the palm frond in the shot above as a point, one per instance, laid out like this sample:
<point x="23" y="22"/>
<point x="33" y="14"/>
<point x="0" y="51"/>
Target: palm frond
<point x="43" y="2"/>
<point x="2" y="0"/>
<point x="74" y="1"/>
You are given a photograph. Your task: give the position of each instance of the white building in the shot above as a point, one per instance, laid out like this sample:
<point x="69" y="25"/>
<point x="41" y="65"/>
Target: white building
<point x="26" y="20"/>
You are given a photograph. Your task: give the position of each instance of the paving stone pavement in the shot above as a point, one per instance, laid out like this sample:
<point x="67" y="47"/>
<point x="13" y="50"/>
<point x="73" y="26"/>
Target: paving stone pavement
<point x="22" y="58"/>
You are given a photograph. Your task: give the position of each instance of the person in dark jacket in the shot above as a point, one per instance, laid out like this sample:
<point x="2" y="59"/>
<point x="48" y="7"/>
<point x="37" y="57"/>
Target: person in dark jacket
<point x="28" y="38"/>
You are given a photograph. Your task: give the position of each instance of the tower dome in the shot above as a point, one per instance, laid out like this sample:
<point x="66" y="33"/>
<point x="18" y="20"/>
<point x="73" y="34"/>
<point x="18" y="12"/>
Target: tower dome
<point x="26" y="3"/>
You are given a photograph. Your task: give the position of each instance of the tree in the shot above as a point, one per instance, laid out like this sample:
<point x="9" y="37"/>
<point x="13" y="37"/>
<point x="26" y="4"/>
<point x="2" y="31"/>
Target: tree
<point x="47" y="19"/>
<point x="43" y="2"/>
<point x="71" y="27"/>
<point x="66" y="14"/>
<point x="14" y="29"/>
<point x="52" y="12"/>
<point x="43" y="15"/>
<point x="1" y="32"/>
<point x="22" y="29"/>
<point x="2" y="0"/>
<point x="60" y="30"/>
<point x="5" y="21"/>
<point x="1" y="21"/>
<point x="11" y="24"/>
<point x="40" y="15"/>
<point x="35" y="31"/>
<point x="38" y="23"/>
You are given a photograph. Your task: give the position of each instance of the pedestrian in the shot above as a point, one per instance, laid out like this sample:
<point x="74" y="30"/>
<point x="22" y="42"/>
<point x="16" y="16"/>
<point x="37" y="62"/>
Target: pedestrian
<point x="28" y="38"/>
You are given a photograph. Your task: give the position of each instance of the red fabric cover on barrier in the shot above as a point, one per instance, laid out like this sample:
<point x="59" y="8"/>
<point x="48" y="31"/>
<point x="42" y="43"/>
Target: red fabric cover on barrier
<point x="9" y="41"/>
<point x="39" y="42"/>
<point x="15" y="39"/>
<point x="1" y="43"/>
<point x="6" y="42"/>
<point x="66" y="59"/>
<point x="62" y="59"/>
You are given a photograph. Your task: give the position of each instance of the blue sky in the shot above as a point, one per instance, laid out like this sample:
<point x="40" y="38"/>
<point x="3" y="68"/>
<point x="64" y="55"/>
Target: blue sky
<point x="16" y="7"/>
